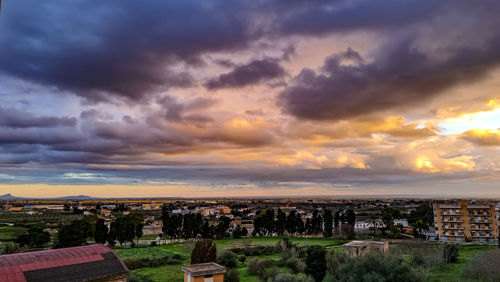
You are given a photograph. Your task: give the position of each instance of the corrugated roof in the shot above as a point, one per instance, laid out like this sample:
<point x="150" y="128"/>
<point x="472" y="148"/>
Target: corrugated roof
<point x="14" y="267"/>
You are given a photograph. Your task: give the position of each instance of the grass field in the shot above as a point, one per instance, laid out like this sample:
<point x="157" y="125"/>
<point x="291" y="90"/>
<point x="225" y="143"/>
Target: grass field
<point x="173" y="272"/>
<point x="454" y="271"/>
<point x="7" y="233"/>
<point x="449" y="272"/>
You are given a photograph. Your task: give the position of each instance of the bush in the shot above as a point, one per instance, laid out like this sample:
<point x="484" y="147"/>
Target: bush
<point x="153" y="243"/>
<point x="138" y="278"/>
<point x="227" y="258"/>
<point x="133" y="263"/>
<point x="484" y="267"/>
<point x="177" y="256"/>
<point x="256" y="267"/>
<point x="373" y="267"/>
<point x="450" y="253"/>
<point x="296" y="265"/>
<point x="232" y="275"/>
<point x="286" y="277"/>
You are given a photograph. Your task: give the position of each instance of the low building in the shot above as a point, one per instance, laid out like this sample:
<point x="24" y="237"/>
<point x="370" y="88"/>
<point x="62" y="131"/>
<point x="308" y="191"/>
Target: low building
<point x="359" y="248"/>
<point x="204" y="272"/>
<point x="85" y="263"/>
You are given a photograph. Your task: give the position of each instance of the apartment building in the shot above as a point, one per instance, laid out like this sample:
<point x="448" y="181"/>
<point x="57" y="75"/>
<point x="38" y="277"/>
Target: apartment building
<point x="466" y="222"/>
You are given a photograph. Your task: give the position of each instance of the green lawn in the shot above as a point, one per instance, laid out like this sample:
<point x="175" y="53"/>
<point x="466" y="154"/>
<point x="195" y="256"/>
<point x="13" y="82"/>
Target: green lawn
<point x="454" y="271"/>
<point x="7" y="233"/>
<point x="449" y="272"/>
<point x="173" y="272"/>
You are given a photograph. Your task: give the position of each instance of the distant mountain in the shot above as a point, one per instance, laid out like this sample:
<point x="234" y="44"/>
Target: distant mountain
<point x="9" y="197"/>
<point x="77" y="197"/>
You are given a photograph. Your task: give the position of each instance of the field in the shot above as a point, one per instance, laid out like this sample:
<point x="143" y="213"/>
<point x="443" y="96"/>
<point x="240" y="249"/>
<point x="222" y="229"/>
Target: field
<point x="46" y="217"/>
<point x="454" y="271"/>
<point x="450" y="272"/>
<point x="7" y="233"/>
<point x="174" y="273"/>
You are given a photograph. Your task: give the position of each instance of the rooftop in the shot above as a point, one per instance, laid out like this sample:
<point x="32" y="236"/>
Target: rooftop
<point x="202" y="269"/>
<point x="83" y="263"/>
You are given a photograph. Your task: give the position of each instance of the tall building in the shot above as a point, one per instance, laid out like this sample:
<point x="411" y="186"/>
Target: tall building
<point x="466" y="222"/>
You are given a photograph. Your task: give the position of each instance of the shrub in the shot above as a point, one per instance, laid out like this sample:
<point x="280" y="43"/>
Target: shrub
<point x="373" y="267"/>
<point x="232" y="275"/>
<point x="227" y="258"/>
<point x="138" y="278"/>
<point x="450" y="253"/>
<point x="153" y="243"/>
<point x="286" y="277"/>
<point x="484" y="267"/>
<point x="256" y="267"/>
<point x="296" y="265"/>
<point x="177" y="256"/>
<point x="133" y="263"/>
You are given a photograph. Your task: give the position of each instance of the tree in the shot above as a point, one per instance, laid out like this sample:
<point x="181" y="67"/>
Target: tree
<point x="373" y="220"/>
<point x="101" y="232"/>
<point x="327" y="222"/>
<point x="291" y="223"/>
<point x="316" y="262"/>
<point x="424" y="213"/>
<point x="237" y="232"/>
<point x="204" y="251"/>
<point x="34" y="238"/>
<point x="74" y="234"/>
<point x="350" y="217"/>
<point x="244" y="232"/>
<point x="280" y="222"/>
<point x="450" y="253"/>
<point x="336" y="219"/>
<point x="138" y="232"/>
<point x="113" y="234"/>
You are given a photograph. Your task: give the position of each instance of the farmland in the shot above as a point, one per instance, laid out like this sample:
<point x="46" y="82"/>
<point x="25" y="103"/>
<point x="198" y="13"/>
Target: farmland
<point x="45" y="217"/>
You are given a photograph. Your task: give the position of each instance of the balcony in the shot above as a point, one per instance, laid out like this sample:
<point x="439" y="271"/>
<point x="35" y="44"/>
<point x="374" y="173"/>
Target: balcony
<point x="482" y="236"/>
<point x="451" y="213"/>
<point x="453" y="228"/>
<point x="472" y="220"/>
<point x="451" y="220"/>
<point x="481" y="228"/>
<point x="479" y="214"/>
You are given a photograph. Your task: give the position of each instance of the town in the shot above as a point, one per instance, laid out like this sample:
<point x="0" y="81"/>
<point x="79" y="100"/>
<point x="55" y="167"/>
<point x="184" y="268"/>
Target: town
<point x="255" y="239"/>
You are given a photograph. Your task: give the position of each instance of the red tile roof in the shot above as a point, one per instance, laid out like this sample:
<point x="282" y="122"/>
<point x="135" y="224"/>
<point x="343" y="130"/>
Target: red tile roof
<point x="13" y="266"/>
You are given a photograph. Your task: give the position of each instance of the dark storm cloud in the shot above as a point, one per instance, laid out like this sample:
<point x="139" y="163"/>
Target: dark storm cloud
<point x="248" y="74"/>
<point x="129" y="48"/>
<point x="399" y="76"/>
<point x="95" y="48"/>
<point x="14" y="118"/>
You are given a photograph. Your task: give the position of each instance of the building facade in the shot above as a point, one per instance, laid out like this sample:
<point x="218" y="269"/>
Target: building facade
<point x="466" y="222"/>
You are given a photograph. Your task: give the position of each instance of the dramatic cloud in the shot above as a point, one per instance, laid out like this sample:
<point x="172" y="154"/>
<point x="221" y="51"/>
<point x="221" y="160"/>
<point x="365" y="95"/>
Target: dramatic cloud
<point x="317" y="96"/>
<point x="10" y="117"/>
<point x="400" y="75"/>
<point x="249" y="74"/>
<point x="483" y="137"/>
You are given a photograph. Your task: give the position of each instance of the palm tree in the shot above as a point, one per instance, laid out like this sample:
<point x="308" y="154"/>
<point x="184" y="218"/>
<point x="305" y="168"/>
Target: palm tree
<point x="373" y="220"/>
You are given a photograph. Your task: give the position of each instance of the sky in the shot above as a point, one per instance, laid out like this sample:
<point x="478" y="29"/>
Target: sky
<point x="249" y="98"/>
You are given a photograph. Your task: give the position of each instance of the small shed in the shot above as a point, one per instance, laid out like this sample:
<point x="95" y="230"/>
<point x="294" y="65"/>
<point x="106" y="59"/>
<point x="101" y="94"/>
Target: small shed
<point x="204" y="272"/>
<point x="359" y="248"/>
<point x="86" y="263"/>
